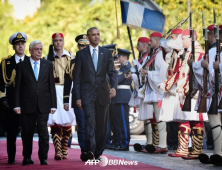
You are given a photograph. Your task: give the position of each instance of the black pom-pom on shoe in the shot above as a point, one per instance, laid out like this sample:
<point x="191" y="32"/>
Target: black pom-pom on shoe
<point x="216" y="160"/>
<point x="138" y="147"/>
<point x="150" y="148"/>
<point x="204" y="158"/>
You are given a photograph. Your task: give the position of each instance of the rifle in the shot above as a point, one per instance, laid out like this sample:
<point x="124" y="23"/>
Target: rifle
<point x="214" y="103"/>
<point x="187" y="103"/>
<point x="147" y="60"/>
<point x="131" y="44"/>
<point x="178" y="25"/>
<point x="203" y="101"/>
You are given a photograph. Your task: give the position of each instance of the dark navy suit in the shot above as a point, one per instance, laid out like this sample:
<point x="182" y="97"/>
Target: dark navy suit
<point x="78" y="113"/>
<point x="120" y="108"/>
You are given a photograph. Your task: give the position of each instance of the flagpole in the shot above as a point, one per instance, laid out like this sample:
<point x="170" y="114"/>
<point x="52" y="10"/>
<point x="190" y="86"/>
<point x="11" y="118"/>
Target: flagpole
<point x="131" y="44"/>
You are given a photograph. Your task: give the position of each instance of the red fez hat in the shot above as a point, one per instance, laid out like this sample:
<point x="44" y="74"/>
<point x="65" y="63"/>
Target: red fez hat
<point x="143" y="40"/>
<point x="220" y="27"/>
<point x="211" y="27"/>
<point x="187" y="32"/>
<point x="156" y="34"/>
<point x="58" y="34"/>
<point x="177" y="31"/>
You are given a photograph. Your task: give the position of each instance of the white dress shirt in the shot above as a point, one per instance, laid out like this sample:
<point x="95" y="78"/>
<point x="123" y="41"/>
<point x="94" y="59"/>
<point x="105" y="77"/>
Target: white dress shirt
<point x="17" y="58"/>
<point x="91" y="50"/>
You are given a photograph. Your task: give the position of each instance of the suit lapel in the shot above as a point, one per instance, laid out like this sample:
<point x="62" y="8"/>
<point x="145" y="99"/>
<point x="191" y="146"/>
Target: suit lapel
<point x="42" y="69"/>
<point x="100" y="58"/>
<point x="90" y="57"/>
<point x="29" y="67"/>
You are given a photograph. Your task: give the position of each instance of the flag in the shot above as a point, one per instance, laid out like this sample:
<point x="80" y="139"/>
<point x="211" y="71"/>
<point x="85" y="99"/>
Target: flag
<point x="143" y="14"/>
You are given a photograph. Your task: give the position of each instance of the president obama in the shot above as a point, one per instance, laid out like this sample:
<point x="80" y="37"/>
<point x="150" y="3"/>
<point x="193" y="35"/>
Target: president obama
<point x="92" y="93"/>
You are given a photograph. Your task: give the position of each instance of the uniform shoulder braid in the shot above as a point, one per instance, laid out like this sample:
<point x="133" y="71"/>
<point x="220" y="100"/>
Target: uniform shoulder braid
<point x="5" y="58"/>
<point x="8" y="81"/>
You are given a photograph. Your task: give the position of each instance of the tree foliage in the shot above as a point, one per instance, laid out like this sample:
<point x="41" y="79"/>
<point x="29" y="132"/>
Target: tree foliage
<point x="74" y="17"/>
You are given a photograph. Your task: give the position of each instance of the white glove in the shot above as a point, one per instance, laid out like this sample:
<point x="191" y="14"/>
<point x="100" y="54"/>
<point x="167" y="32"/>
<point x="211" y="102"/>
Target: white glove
<point x="135" y="62"/>
<point x="161" y="86"/>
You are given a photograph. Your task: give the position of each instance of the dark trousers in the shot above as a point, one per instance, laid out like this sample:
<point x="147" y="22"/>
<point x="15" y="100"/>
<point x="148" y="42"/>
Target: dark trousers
<point x="109" y="131"/>
<point x="208" y="132"/>
<point x="172" y="134"/>
<point x="12" y="125"/>
<point x="81" y="128"/>
<point x="95" y="126"/>
<point x="29" y="121"/>
<point x="121" y="124"/>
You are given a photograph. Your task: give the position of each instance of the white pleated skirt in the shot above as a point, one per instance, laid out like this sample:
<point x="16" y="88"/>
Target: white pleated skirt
<point x="134" y="101"/>
<point x="145" y="111"/>
<point x="61" y="116"/>
<point x="171" y="110"/>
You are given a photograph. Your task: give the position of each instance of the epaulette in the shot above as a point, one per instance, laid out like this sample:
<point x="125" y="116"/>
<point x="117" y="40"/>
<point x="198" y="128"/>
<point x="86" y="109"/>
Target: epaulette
<point x="8" y="81"/>
<point x="71" y="55"/>
<point x="7" y="57"/>
<point x="120" y="73"/>
<point x="45" y="58"/>
<point x="126" y="63"/>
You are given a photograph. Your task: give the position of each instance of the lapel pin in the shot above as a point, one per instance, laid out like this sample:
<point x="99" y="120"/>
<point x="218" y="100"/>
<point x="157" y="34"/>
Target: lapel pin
<point x="101" y="53"/>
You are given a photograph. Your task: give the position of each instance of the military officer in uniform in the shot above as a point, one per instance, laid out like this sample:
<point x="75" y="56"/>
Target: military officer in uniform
<point x="110" y="139"/>
<point x="120" y="107"/>
<point x="7" y="88"/>
<point x="82" y="43"/>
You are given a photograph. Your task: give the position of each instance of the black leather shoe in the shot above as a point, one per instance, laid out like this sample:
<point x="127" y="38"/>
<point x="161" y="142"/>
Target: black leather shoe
<point x="43" y="162"/>
<point x="11" y="161"/>
<point x="31" y="161"/>
<point x="90" y="155"/>
<point x="117" y="148"/>
<point x="125" y="148"/>
<point x="99" y="159"/>
<point x="83" y="156"/>
<point x="107" y="147"/>
<point x="26" y="161"/>
<point x="122" y="148"/>
<point x="111" y="147"/>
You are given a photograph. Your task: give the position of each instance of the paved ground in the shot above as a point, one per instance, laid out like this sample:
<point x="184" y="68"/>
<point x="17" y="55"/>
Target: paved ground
<point x="161" y="160"/>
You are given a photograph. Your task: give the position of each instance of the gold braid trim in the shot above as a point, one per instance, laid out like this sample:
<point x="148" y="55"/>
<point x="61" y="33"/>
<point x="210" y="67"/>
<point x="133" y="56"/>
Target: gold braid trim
<point x="8" y="81"/>
<point x="198" y="51"/>
<point x="170" y="66"/>
<point x="71" y="71"/>
<point x="2" y="95"/>
<point x="168" y="86"/>
<point x="69" y="68"/>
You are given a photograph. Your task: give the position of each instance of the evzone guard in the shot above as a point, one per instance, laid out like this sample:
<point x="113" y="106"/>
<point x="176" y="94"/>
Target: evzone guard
<point x="137" y="99"/>
<point x="176" y="87"/>
<point x="155" y="74"/>
<point x="62" y="120"/>
<point x="211" y="65"/>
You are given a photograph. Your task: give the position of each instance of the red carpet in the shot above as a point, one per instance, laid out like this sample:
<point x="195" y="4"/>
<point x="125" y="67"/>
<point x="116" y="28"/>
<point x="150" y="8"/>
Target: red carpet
<point x="73" y="162"/>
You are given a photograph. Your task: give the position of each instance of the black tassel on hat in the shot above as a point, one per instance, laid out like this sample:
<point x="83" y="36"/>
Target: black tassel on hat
<point x="50" y="56"/>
